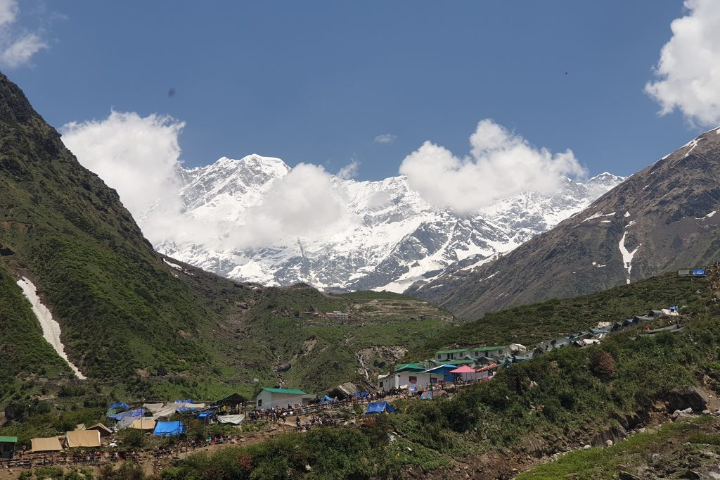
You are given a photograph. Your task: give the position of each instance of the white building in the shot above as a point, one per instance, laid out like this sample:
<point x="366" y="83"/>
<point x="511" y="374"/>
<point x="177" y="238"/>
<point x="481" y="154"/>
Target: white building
<point x="270" y="398"/>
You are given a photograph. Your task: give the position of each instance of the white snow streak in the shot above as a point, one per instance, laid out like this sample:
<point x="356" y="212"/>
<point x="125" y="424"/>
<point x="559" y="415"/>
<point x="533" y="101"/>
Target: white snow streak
<point x="627" y="257"/>
<point x="598" y="215"/>
<point x="50" y="327"/>
<point x="173" y="265"/>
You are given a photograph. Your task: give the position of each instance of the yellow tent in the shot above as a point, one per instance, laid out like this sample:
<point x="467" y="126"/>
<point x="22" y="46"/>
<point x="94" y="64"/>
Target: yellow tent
<point x="51" y="444"/>
<point x="104" y="431"/>
<point x="143" y="424"/>
<point x="83" y="438"/>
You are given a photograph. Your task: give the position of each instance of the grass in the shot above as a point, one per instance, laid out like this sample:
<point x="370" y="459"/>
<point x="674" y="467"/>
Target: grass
<point x="530" y="324"/>
<point x="597" y="463"/>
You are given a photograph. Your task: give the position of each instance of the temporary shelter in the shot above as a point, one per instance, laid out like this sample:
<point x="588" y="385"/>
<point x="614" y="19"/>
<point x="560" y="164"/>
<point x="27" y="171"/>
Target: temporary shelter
<point x="138" y="412"/>
<point x="116" y="407"/>
<point x="326" y="399"/>
<point x="379" y="407"/>
<point x="50" y="444"/>
<point x="168" y="429"/>
<point x="231" y="419"/>
<point x="426" y="395"/>
<point x="83" y="439"/>
<point x="104" y="431"/>
<point x="7" y="446"/>
<point x="143" y="423"/>
<point x="465" y="373"/>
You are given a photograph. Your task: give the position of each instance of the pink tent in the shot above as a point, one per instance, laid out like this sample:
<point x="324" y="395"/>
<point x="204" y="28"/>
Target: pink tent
<point x="466" y="373"/>
<point x="463" y="369"/>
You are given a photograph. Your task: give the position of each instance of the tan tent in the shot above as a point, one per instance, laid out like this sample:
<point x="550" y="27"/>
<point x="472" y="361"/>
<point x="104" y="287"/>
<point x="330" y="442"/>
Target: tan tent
<point x="143" y="424"/>
<point x="104" y="431"/>
<point x="51" y="444"/>
<point x="83" y="438"/>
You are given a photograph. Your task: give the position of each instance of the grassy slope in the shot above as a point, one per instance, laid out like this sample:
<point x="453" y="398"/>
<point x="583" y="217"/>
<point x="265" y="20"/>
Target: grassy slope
<point x="530" y="324"/>
<point x="681" y="448"/>
<point x="556" y="400"/>
<point x="24" y="351"/>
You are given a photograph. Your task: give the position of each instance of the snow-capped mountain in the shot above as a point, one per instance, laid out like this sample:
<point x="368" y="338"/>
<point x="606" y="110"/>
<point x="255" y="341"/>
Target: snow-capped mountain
<point x="387" y="236"/>
<point x="660" y="219"/>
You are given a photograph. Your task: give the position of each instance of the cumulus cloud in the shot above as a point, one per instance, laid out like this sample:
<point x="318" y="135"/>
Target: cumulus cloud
<point x="385" y="138"/>
<point x="17" y="46"/>
<point x="303" y="203"/>
<point x="140" y="158"/>
<point x="501" y="164"/>
<point x="688" y="76"/>
<point x="349" y="171"/>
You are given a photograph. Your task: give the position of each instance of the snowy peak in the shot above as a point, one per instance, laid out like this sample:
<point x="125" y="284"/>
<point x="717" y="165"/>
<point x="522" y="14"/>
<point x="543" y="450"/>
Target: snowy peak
<point x="657" y="220"/>
<point x="250" y="176"/>
<point x="388" y="237"/>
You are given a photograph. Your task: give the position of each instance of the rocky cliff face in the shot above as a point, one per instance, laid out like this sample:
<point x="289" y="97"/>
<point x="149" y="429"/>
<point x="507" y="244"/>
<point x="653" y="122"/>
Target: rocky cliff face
<point x="659" y="219"/>
<point x="388" y="236"/>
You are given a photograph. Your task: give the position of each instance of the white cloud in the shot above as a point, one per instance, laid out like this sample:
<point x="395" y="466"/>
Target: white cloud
<point x="140" y="158"/>
<point x="385" y="138"/>
<point x="303" y="203"/>
<point x="501" y="165"/>
<point x="688" y="71"/>
<point x="17" y="46"/>
<point x="136" y="156"/>
<point x="349" y="171"/>
<point x="9" y="10"/>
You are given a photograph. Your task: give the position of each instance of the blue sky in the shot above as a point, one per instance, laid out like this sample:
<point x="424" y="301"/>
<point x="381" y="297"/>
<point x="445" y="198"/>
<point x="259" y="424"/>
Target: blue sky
<point x="317" y="82"/>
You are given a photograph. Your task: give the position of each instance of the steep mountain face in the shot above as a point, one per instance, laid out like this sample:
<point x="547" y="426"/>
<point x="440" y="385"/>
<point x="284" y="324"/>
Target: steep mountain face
<point x="660" y="219"/>
<point x="388" y="238"/>
<point x="119" y="306"/>
<point x="138" y="324"/>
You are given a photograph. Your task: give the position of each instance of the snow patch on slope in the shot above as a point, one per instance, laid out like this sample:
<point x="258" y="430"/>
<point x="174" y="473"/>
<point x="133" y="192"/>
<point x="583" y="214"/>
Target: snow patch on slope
<point x="627" y="257"/>
<point x="50" y="327"/>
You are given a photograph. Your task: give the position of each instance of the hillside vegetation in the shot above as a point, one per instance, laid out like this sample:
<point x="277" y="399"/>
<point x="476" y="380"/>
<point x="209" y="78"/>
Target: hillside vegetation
<point x="557" y="401"/>
<point x="139" y="325"/>
<point x="530" y="324"/>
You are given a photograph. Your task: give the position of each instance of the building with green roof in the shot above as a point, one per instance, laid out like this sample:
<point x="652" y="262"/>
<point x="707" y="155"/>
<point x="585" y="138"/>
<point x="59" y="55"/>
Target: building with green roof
<point x="7" y="446"/>
<point x="270" y="398"/>
<point x="456" y="354"/>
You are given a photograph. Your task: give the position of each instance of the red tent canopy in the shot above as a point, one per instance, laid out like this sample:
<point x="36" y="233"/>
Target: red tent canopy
<point x="463" y="369"/>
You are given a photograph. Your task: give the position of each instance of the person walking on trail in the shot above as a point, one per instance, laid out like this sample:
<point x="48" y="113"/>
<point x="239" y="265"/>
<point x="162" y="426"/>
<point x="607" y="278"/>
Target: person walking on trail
<point x="297" y="422"/>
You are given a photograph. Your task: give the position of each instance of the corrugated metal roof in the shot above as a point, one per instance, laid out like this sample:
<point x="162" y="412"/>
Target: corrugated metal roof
<point x="487" y="349"/>
<point x="285" y="390"/>
<point x="452" y="351"/>
<point x="8" y="439"/>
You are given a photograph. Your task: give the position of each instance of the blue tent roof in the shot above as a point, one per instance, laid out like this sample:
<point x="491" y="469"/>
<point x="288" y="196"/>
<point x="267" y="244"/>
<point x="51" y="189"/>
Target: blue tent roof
<point x="426" y="395"/>
<point x="119" y="405"/>
<point x="138" y="412"/>
<point x="327" y="399"/>
<point x="168" y="429"/>
<point x="184" y="401"/>
<point x="379" y="407"/>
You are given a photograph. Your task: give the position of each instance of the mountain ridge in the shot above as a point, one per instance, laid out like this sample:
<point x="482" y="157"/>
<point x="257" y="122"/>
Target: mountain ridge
<point x="387" y="239"/>
<point x="659" y="219"/>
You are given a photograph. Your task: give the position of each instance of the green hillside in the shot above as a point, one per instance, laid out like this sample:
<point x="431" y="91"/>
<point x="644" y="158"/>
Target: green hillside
<point x="140" y="328"/>
<point x="530" y="324"/>
<point x="561" y="400"/>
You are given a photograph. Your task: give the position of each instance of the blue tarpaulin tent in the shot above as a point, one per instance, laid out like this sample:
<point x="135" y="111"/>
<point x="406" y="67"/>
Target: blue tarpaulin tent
<point x="426" y="395"/>
<point x="138" y="412"/>
<point x="168" y="429"/>
<point x="327" y="399"/>
<point x="698" y="272"/>
<point x="116" y="407"/>
<point x="379" y="407"/>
